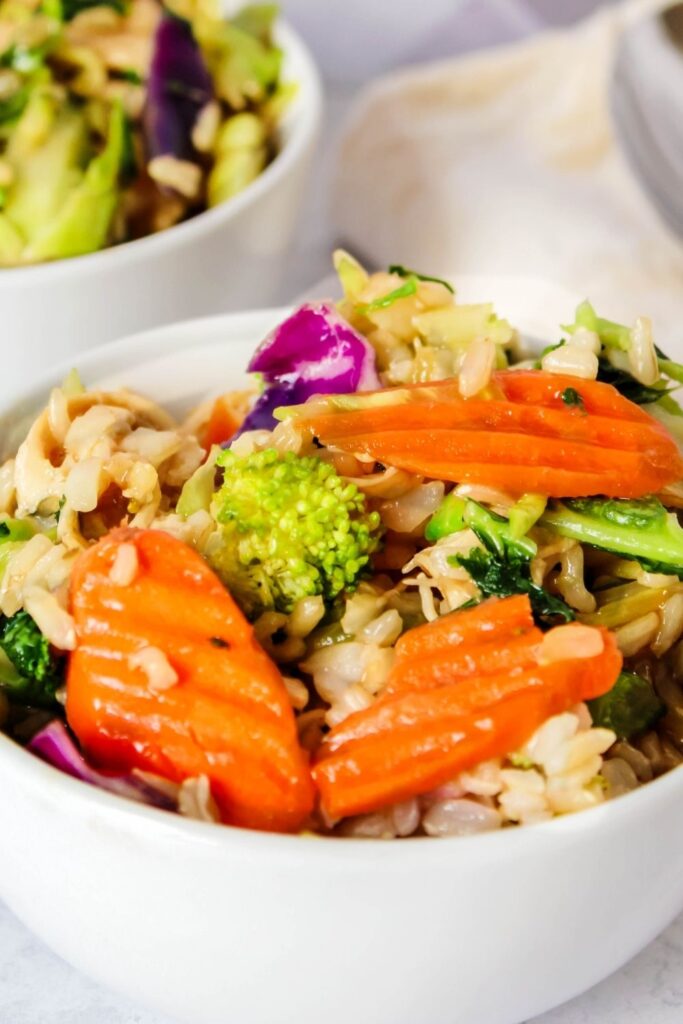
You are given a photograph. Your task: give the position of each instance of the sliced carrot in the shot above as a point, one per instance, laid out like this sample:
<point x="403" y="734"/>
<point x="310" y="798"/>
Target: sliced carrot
<point x="396" y="768"/>
<point x="480" y="416"/>
<point x="221" y="426"/>
<point x="535" y="387"/>
<point x="515" y="478"/>
<point x="564" y="682"/>
<point x="498" y="655"/>
<point x="470" y="627"/>
<point x="607" y="446"/>
<point x="228" y="715"/>
<point x="444" y="712"/>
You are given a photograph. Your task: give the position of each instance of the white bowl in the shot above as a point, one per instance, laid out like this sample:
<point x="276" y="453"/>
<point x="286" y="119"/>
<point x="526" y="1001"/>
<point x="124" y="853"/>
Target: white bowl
<point x="229" y="257"/>
<point x="212" y="924"/>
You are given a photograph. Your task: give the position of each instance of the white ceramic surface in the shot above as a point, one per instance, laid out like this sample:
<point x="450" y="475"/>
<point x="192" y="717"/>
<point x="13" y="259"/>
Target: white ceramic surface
<point x="212" y="924"/>
<point x="227" y="258"/>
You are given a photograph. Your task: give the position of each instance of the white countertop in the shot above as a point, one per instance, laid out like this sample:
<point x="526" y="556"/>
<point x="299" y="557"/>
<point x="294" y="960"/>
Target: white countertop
<point x="37" y="987"/>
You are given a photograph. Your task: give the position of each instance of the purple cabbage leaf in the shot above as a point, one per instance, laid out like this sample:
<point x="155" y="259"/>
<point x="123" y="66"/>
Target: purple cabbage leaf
<point x="54" y="744"/>
<point x="179" y="85"/>
<point x="313" y="352"/>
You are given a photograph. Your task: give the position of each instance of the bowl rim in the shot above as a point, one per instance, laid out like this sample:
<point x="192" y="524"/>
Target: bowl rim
<point x="304" y="119"/>
<point x="138" y="817"/>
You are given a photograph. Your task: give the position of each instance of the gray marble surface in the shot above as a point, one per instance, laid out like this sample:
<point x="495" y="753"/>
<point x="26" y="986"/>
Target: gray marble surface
<point x="36" y="987"/>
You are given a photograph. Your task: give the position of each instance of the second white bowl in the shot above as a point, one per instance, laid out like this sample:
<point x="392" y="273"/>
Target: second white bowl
<point x="230" y="257"/>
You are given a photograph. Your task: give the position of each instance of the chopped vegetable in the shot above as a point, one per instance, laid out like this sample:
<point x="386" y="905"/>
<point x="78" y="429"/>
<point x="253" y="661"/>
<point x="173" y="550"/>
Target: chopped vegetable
<point x="627" y="385"/>
<point x="179" y="85"/>
<point x="497" y="576"/>
<point x="414" y="739"/>
<point x="571" y="397"/>
<point x="197" y="492"/>
<point x="396" y="268"/>
<point x="521" y="437"/>
<point x="384" y="301"/>
<point x="525" y="513"/>
<point x="503" y="568"/>
<point x="642" y="530"/>
<point x="448" y="518"/>
<point x="82" y="224"/>
<point x="290" y="528"/>
<point x="54" y="745"/>
<point x="38" y="671"/>
<point x="315" y="351"/>
<point x="66" y="10"/>
<point x="222" y="424"/>
<point x="630" y="707"/>
<point x="240" y="154"/>
<point x="222" y="711"/>
<point x="611" y="334"/>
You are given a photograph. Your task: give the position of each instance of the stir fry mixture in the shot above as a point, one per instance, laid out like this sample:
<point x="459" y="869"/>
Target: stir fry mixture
<point x="119" y="118"/>
<point x="416" y="582"/>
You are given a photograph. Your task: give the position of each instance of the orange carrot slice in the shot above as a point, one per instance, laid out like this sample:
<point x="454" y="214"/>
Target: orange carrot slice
<point x="444" y="713"/>
<point x="500" y="655"/>
<point x="221" y="426"/>
<point x="227" y="716"/>
<point x="491" y="620"/>
<point x="397" y="767"/>
<point x="607" y="446"/>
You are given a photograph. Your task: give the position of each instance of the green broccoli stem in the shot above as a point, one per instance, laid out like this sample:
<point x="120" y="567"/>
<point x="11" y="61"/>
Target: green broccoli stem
<point x="629" y="708"/>
<point x="448" y="518"/>
<point x="641" y="530"/>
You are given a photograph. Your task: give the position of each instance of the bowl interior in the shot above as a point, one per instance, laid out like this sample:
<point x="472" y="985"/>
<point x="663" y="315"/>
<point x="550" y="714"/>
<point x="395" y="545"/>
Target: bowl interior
<point x="181" y="365"/>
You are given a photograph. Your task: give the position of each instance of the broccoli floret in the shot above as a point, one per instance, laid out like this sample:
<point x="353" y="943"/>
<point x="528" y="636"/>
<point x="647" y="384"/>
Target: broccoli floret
<point x="34" y="672"/>
<point x="630" y="707"/>
<point x="291" y="527"/>
<point x="639" y="529"/>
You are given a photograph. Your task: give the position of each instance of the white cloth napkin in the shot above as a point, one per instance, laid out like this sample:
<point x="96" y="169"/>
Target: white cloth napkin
<point x="506" y="161"/>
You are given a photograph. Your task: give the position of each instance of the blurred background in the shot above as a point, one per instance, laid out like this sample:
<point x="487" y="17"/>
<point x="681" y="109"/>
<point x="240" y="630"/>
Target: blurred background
<point x="354" y="41"/>
<point x="536" y="137"/>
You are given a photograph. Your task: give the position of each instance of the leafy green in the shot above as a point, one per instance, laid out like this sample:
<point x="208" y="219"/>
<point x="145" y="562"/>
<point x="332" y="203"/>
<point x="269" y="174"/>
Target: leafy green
<point x="12" y="107"/>
<point x="24" y="59"/>
<point x="640" y="529"/>
<point x="198" y="490"/>
<point x="627" y="385"/>
<point x="384" y="301"/>
<point x="630" y="707"/>
<point x="396" y="268"/>
<point x="66" y="10"/>
<point x="81" y="225"/>
<point x="610" y="333"/>
<point x="16" y="530"/>
<point x="499" y="577"/>
<point x="257" y="20"/>
<point x="131" y="75"/>
<point x="525" y="513"/>
<point x="571" y="397"/>
<point x="38" y="672"/>
<point x="504" y="567"/>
